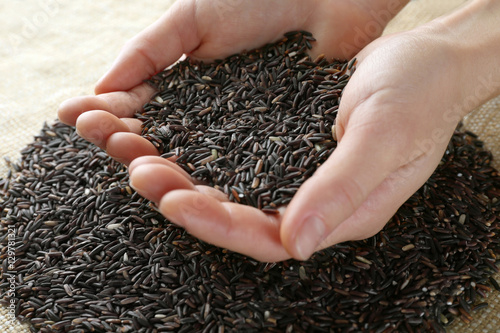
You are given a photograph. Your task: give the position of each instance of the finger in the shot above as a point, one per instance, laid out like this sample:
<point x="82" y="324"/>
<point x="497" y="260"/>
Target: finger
<point x="155" y="48"/>
<point x="357" y="166"/>
<point x="152" y="181"/>
<point x="96" y="126"/>
<point x="120" y="103"/>
<point x="126" y="147"/>
<point x="213" y="192"/>
<point x="384" y="201"/>
<point x="146" y="160"/>
<point x="134" y="125"/>
<point x="240" y="228"/>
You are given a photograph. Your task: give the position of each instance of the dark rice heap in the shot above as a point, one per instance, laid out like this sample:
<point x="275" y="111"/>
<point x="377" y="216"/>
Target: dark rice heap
<point x="91" y="255"/>
<point x="255" y="125"/>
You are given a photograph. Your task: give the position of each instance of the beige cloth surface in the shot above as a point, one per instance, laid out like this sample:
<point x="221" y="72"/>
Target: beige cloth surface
<point x="51" y="50"/>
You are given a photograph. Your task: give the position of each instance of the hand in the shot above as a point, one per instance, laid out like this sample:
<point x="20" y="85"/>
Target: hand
<point x="207" y="30"/>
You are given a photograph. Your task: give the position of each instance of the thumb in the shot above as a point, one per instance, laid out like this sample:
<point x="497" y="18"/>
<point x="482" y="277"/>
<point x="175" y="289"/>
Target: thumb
<point x="152" y="50"/>
<point x="359" y="164"/>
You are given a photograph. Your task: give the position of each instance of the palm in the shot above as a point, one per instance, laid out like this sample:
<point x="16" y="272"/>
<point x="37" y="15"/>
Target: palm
<point x="392" y="128"/>
<point x="228" y="29"/>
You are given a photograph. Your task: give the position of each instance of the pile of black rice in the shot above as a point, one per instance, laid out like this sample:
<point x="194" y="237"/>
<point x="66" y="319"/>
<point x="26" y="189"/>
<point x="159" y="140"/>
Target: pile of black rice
<point x="255" y="125"/>
<point x="91" y="255"/>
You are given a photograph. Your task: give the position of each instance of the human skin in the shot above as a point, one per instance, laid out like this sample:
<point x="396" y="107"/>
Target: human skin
<point x="395" y="119"/>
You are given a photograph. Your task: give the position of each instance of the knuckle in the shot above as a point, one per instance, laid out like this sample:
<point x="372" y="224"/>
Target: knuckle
<point x="349" y="194"/>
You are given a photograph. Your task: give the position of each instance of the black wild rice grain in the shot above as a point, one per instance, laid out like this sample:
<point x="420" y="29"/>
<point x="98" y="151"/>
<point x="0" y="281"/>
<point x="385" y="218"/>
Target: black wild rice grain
<point x="93" y="256"/>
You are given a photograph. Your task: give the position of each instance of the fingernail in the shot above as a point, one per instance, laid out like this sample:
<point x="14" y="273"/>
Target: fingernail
<point x="134" y="185"/>
<point x="101" y="78"/>
<point x="175" y="212"/>
<point x="310" y="235"/>
<point x="144" y="182"/>
<point x="143" y="191"/>
<point x="120" y="160"/>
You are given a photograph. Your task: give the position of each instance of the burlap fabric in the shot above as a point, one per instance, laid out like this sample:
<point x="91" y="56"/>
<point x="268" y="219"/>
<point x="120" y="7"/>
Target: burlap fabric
<point x="51" y="50"/>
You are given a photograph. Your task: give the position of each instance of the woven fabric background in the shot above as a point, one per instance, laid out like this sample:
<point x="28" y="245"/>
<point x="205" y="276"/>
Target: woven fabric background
<point x="51" y="50"/>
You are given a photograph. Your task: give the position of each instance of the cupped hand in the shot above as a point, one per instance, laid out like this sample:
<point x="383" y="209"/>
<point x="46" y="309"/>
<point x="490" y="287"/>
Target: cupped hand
<point x="207" y="30"/>
<point x="395" y="120"/>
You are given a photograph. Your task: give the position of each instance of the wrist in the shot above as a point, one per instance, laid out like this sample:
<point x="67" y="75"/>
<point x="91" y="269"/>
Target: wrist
<point x="473" y="34"/>
<point x="367" y="20"/>
<point x="383" y="11"/>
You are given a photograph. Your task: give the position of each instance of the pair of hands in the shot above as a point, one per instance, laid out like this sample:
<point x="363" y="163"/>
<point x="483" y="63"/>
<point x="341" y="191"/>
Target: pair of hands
<point x="392" y="125"/>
